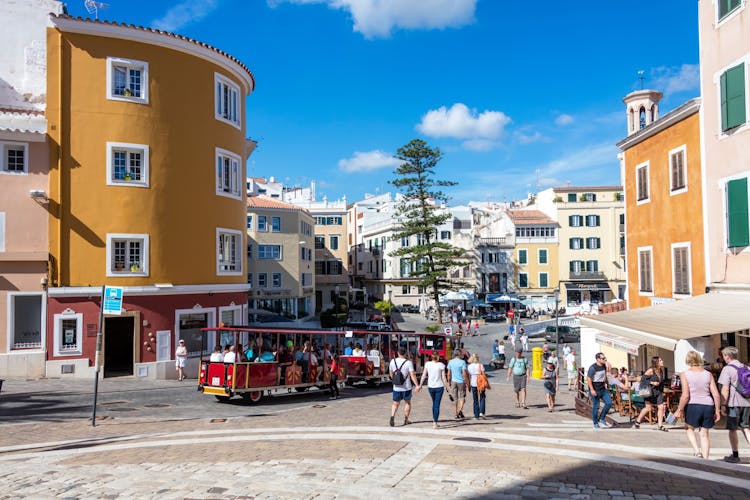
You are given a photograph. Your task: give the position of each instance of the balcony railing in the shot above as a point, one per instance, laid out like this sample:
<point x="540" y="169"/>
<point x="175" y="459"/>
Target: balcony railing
<point x="493" y="242"/>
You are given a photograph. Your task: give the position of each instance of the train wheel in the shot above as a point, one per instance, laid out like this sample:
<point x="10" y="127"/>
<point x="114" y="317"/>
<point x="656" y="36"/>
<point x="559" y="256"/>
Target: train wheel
<point x="221" y="399"/>
<point x="252" y="397"/>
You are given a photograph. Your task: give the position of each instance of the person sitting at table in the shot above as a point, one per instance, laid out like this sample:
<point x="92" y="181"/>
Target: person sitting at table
<point x="348" y="349"/>
<point x="616" y="382"/>
<point x="358" y="351"/>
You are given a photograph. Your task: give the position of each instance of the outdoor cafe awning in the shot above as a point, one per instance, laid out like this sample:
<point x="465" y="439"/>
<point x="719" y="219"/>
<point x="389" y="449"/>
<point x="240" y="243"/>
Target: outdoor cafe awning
<point x="664" y="325"/>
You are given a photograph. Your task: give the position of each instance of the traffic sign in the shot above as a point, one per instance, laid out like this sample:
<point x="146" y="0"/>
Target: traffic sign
<point x="510" y="313"/>
<point x="112" y="300"/>
<point x="447" y="330"/>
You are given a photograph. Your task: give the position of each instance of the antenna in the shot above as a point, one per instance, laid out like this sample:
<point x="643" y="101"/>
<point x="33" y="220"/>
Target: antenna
<point x="92" y="6"/>
<point x="538" y="181"/>
<point x="641" y="77"/>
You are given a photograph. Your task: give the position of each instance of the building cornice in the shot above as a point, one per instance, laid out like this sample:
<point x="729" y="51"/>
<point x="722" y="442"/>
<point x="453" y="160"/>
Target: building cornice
<point x="160" y="38"/>
<point x="677" y="115"/>
<point x="158" y="289"/>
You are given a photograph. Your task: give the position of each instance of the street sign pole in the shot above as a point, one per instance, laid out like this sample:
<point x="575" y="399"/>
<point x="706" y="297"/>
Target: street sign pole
<point x="97" y="358"/>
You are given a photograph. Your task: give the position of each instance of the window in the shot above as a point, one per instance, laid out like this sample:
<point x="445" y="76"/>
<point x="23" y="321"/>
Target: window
<point x="269" y="252"/>
<point x="576" y="266"/>
<point x="276" y="280"/>
<point x="677" y="175"/>
<point x="522" y="256"/>
<point x="727" y="6"/>
<point x="575" y="220"/>
<point x="305" y="228"/>
<point x="572" y="197"/>
<point x="127" y="80"/>
<point x="645" y="284"/>
<point x="405" y="290"/>
<point x="250" y="222"/>
<point x="262" y="280"/>
<point x="328" y="221"/>
<point x="14" y="158"/>
<point x="250" y="251"/>
<point x="592" y="266"/>
<point x="127" y="164"/>
<point x="738" y="229"/>
<point x="576" y="243"/>
<point x="250" y="279"/>
<point x="262" y="223"/>
<point x="68" y="333"/>
<point x="127" y="255"/>
<point x="523" y="280"/>
<point x="227" y="101"/>
<point x="588" y="197"/>
<point x="228" y="260"/>
<point x="732" y="89"/>
<point x="593" y="243"/>
<point x="681" y="268"/>
<point x="307" y="279"/>
<point x="592" y="220"/>
<point x="26" y="320"/>
<point x="335" y="267"/>
<point x="405" y="267"/>
<point x="320" y="242"/>
<point x="275" y="224"/>
<point x="543" y="256"/>
<point x="543" y="280"/>
<point x="228" y="178"/>
<point x="320" y="267"/>
<point x="445" y="235"/>
<point x="641" y="181"/>
<point x="333" y="241"/>
<point x="404" y="241"/>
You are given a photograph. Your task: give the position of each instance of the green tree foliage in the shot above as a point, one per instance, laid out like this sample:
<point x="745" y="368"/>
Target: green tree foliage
<point x="419" y="214"/>
<point x="384" y="306"/>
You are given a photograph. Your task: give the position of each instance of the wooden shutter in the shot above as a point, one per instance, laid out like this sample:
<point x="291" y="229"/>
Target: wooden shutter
<point x="645" y="271"/>
<point x="732" y="85"/>
<point x="681" y="271"/>
<point x="738" y="228"/>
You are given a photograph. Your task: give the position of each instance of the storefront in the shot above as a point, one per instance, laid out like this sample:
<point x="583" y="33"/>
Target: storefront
<point x="594" y="293"/>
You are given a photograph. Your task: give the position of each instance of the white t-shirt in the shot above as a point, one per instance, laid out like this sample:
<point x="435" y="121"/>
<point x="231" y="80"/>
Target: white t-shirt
<point x="230" y="357"/>
<point x="406" y="367"/>
<point x="217" y="357"/>
<point x="474" y="370"/>
<point x="570" y="362"/>
<point x="566" y="351"/>
<point x="501" y="349"/>
<point x="435" y="370"/>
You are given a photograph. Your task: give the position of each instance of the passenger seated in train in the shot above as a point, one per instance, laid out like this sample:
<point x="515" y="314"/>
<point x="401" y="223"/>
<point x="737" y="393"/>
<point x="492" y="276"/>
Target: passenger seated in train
<point x="217" y="356"/>
<point x="358" y="351"/>
<point x="348" y="349"/>
<point x="240" y="353"/>
<point x="231" y="355"/>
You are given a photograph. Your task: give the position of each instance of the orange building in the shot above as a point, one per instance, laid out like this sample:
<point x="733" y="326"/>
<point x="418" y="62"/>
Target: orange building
<point x="661" y="168"/>
<point x="147" y="192"/>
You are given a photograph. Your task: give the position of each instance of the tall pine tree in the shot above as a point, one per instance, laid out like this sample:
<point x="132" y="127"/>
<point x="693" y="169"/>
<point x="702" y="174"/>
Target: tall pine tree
<point x="420" y="214"/>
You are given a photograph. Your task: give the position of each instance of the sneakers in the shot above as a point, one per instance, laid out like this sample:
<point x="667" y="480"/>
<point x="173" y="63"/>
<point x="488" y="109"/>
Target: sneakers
<point x="596" y="427"/>
<point x="393" y="421"/>
<point x="636" y="425"/>
<point x="481" y="415"/>
<point x="732" y="459"/>
<point x="604" y="424"/>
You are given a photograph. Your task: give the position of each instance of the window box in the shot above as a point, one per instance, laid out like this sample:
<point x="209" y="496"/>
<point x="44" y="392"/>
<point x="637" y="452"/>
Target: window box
<point x="127" y="254"/>
<point x="127" y="164"/>
<point x="127" y="80"/>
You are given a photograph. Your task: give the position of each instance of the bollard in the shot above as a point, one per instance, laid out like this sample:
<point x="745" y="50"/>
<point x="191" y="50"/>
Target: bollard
<point x="536" y="362"/>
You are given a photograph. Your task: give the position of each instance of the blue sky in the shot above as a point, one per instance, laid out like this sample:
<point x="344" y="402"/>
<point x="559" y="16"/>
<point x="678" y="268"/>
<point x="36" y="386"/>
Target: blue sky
<point x="515" y="93"/>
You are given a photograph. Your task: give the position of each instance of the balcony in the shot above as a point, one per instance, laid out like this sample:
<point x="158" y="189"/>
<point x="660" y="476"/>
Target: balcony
<point x="493" y="242"/>
<point x="587" y="276"/>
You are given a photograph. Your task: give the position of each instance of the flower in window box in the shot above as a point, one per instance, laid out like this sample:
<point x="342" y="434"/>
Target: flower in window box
<point x="128" y="177"/>
<point x="127" y="93"/>
<point x="135" y="267"/>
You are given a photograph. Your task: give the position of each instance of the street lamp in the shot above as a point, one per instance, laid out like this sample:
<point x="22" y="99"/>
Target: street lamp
<point x="557" y="322"/>
<point x="390" y="304"/>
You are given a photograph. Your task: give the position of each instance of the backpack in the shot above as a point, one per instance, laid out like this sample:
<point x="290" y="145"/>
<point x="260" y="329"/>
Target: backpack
<point x="743" y="380"/>
<point x="398" y="376"/>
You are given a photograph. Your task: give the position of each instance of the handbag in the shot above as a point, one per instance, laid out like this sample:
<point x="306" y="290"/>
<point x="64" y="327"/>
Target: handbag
<point x="482" y="382"/>
<point x="644" y="391"/>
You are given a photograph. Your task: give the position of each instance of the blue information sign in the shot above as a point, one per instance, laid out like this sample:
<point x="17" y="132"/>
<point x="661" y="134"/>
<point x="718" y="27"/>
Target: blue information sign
<point x="112" y="300"/>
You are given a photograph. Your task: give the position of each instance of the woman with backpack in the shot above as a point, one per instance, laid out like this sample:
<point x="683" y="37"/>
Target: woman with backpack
<point x="519" y="368"/>
<point x="700" y="402"/>
<point x="475" y="368"/>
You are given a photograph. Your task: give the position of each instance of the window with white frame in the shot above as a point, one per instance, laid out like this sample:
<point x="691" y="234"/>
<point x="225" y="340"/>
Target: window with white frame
<point x="262" y="280"/>
<point x="14" y="159"/>
<point x="276" y="280"/>
<point x="576" y="266"/>
<point x="543" y="280"/>
<point x="523" y="280"/>
<point x="127" y="254"/>
<point x="726" y="7"/>
<point x="641" y="183"/>
<point x="320" y="242"/>
<point x="68" y="333"/>
<point x="262" y="223"/>
<point x="275" y="224"/>
<point x="522" y="256"/>
<point x="269" y="252"/>
<point x="677" y="173"/>
<point x="542" y="256"/>
<point x="228" y="107"/>
<point x="229" y="252"/>
<point x="681" y="268"/>
<point x="127" y="80"/>
<point x="737" y="215"/>
<point x="576" y="243"/>
<point x="645" y="271"/>
<point x="228" y="175"/>
<point x="26" y="320"/>
<point x="127" y="164"/>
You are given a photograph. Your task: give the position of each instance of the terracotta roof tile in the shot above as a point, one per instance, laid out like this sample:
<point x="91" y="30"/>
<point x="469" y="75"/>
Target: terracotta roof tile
<point x="268" y="202"/>
<point x="530" y="217"/>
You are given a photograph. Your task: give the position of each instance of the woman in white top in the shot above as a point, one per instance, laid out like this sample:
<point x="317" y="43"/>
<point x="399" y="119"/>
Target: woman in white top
<point x="434" y="372"/>
<point x="180" y="357"/>
<point x="474" y="369"/>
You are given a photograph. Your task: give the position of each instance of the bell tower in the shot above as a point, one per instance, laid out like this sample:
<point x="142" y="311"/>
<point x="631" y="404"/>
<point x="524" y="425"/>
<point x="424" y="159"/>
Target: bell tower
<point x="642" y="107"/>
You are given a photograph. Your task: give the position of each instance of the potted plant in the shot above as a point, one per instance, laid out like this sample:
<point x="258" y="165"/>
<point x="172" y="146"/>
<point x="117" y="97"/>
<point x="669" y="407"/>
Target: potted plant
<point x="557" y="199"/>
<point x="135" y="267"/>
<point x="119" y="266"/>
<point x="618" y="196"/>
<point x="128" y="177"/>
<point x="127" y="93"/>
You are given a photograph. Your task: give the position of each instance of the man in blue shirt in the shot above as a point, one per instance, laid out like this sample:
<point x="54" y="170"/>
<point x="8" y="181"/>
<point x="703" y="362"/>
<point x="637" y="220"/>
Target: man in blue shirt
<point x="459" y="380"/>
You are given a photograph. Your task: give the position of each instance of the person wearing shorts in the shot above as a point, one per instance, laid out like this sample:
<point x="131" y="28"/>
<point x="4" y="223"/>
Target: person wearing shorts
<point x="700" y="401"/>
<point x="736" y="408"/>
<point x="402" y="392"/>
<point x="459" y="375"/>
<point x="519" y="368"/>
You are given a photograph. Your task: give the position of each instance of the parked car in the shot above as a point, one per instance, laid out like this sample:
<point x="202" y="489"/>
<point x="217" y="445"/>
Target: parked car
<point x="409" y="308"/>
<point x="567" y="333"/>
<point x="493" y="316"/>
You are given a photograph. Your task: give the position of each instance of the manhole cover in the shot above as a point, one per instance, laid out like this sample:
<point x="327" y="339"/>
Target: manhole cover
<point x="473" y="439"/>
<point x="217" y="420"/>
<point x="112" y="403"/>
<point x="123" y="409"/>
<point x="319" y="406"/>
<point x="217" y="490"/>
<point x="158" y="405"/>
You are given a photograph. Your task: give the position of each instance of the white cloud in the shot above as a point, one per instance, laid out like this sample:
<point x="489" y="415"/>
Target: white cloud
<point x="479" y="144"/>
<point x="563" y="120"/>
<point x="460" y="122"/>
<point x="672" y="80"/>
<point x="184" y="14"/>
<point x="367" y="161"/>
<point x="529" y="138"/>
<point x="378" y="18"/>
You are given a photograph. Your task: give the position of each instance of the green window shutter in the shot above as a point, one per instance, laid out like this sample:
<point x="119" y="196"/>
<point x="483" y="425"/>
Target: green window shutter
<point x="542" y="256"/>
<point x="732" y="84"/>
<point x="571" y="265"/>
<point x="543" y="280"/>
<point x="570" y="220"/>
<point x="570" y="242"/>
<point x="738" y="228"/>
<point x="571" y="197"/>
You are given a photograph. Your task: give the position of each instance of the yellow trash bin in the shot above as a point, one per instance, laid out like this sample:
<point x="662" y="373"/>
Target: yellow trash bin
<point x="537" y="362"/>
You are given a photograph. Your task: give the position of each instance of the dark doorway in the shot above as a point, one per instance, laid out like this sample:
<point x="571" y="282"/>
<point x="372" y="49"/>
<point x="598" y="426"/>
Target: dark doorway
<point x="318" y="301"/>
<point x="118" y="346"/>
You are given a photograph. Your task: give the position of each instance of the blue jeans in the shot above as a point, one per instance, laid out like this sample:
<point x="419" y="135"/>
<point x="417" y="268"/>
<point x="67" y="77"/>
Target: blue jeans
<point x="478" y="401"/>
<point x="601" y="395"/>
<point x="436" y="393"/>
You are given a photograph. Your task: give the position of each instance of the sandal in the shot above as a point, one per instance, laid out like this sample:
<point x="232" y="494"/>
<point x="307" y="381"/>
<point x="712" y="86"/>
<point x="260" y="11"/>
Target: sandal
<point x="407" y="421"/>
<point x="698" y="454"/>
<point x="663" y="429"/>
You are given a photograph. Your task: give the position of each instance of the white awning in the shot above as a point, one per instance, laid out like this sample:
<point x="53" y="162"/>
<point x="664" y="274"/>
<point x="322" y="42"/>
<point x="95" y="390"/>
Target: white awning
<point x="618" y="342"/>
<point x="665" y="324"/>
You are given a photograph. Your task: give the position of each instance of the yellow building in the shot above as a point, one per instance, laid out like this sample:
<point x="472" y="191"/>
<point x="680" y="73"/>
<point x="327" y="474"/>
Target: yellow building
<point x="536" y="248"/>
<point x="147" y="162"/>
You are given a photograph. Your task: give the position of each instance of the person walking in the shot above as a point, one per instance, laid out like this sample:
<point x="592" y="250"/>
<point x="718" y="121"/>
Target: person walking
<point x="437" y="381"/>
<point x="457" y="367"/>
<point x="524" y="340"/>
<point x="551" y="384"/>
<point x="653" y="378"/>
<point x="597" y="381"/>
<point x="736" y="407"/>
<point x="571" y="368"/>
<point x="700" y="402"/>
<point x="403" y="382"/>
<point x="474" y="369"/>
<point x="333" y="385"/>
<point x="519" y="368"/>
